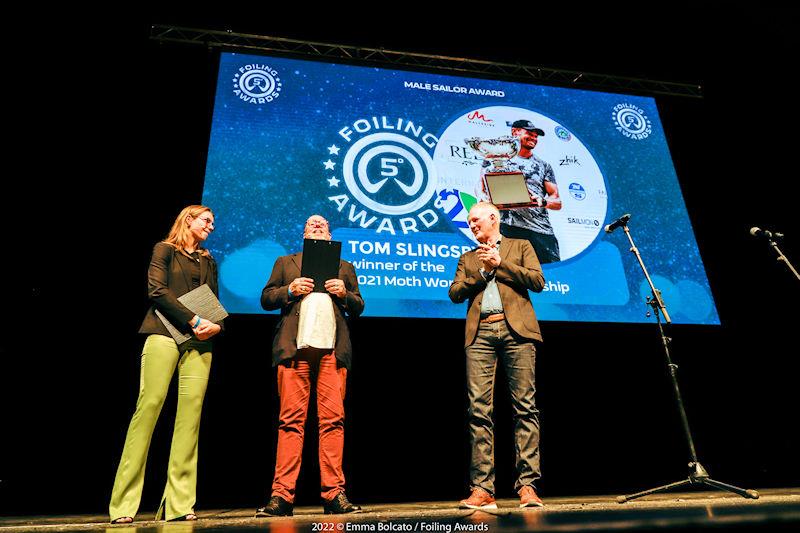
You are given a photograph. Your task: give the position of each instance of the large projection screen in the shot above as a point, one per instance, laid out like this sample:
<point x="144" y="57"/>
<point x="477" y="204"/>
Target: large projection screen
<point x="383" y="155"/>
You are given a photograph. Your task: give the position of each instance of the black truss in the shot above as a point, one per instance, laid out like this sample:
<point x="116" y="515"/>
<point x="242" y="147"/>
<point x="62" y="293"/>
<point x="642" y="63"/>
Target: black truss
<point x="229" y="40"/>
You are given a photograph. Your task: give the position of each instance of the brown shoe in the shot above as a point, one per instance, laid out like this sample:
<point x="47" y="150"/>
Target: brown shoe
<point x="479" y="499"/>
<point x="529" y="498"/>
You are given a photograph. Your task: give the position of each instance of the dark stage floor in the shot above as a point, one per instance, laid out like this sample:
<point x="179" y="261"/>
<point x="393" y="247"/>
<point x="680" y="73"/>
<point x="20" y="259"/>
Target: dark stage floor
<point x="777" y="509"/>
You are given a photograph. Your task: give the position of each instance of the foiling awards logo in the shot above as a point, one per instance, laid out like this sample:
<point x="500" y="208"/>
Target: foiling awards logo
<point x="257" y="83"/>
<point x="386" y="168"/>
<point x="631" y="121"/>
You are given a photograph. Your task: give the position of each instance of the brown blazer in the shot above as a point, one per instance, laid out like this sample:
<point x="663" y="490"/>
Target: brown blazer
<point x="168" y="277"/>
<point x="276" y="296"/>
<point x="519" y="271"/>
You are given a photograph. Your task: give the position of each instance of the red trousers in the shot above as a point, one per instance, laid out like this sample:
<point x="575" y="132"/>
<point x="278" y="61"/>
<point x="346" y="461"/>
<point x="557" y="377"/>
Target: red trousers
<point x="294" y="387"/>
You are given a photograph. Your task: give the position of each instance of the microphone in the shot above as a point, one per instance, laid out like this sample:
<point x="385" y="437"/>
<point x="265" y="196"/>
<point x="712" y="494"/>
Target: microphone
<point x="621" y="221"/>
<point x="755" y="231"/>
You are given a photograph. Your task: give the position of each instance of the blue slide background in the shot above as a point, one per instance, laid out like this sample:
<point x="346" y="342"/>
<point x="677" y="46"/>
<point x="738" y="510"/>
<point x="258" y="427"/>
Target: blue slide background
<point x="275" y="161"/>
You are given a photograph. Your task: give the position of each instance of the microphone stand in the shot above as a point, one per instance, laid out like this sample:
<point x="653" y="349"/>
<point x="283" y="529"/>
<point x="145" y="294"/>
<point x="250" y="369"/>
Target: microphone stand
<point x="782" y="258"/>
<point x="697" y="474"/>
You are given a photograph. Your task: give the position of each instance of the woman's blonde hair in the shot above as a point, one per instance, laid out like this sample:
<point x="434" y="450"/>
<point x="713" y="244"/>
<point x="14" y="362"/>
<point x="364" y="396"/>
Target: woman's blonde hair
<point x="179" y="236"/>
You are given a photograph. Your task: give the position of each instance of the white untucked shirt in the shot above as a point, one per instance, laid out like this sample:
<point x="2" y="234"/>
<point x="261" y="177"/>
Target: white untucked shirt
<point x="317" y="327"/>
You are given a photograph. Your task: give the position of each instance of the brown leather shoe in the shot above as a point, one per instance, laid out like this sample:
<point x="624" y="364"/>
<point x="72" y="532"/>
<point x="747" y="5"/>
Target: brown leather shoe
<point x="529" y="498"/>
<point x="479" y="499"/>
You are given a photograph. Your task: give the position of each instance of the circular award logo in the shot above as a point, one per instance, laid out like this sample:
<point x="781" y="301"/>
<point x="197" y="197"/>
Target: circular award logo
<point x="256" y="83"/>
<point x="631" y="121"/>
<point x="389" y="173"/>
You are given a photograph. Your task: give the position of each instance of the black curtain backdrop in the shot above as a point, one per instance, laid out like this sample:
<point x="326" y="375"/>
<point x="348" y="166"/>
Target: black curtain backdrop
<point x="113" y="143"/>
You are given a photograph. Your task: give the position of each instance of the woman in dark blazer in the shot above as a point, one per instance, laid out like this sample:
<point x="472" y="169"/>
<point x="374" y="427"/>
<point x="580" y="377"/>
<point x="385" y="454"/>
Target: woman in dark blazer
<point x="178" y="265"/>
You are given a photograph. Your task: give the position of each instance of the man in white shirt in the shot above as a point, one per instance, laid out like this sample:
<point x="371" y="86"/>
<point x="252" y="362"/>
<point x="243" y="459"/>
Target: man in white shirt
<point x="312" y="344"/>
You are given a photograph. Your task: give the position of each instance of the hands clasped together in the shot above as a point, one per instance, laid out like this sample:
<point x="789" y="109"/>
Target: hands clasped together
<point x="303" y="286"/>
<point x="489" y="255"/>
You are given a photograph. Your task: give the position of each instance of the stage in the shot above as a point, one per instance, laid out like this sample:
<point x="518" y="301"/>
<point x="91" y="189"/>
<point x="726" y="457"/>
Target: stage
<point x="122" y="145"/>
<point x="776" y="509"/>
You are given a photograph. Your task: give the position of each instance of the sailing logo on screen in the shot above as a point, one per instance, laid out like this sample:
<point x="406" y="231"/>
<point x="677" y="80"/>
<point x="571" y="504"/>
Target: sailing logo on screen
<point x="563" y="133"/>
<point x="479" y="119"/>
<point x="631" y="121"/>
<point x="385" y="166"/>
<point x="577" y="191"/>
<point x="257" y="83"/>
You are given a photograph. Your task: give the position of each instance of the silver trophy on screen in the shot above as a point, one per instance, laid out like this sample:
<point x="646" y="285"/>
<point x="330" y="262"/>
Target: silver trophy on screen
<point x="504" y="186"/>
<point x="498" y="151"/>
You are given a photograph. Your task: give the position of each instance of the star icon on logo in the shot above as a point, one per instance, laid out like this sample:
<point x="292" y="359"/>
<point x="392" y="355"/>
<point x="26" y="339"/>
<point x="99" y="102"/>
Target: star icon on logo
<point x="333" y="149"/>
<point x="329" y="164"/>
<point x="333" y="182"/>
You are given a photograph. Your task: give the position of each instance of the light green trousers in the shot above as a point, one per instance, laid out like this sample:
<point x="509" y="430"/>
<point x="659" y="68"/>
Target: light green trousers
<point x="160" y="356"/>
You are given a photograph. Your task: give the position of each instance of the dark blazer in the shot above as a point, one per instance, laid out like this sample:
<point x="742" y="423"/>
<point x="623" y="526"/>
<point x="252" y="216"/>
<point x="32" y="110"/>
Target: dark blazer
<point x="168" y="277"/>
<point x="276" y="296"/>
<point x="519" y="271"/>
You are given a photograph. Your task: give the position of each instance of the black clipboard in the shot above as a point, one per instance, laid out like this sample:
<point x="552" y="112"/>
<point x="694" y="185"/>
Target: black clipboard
<point x="321" y="261"/>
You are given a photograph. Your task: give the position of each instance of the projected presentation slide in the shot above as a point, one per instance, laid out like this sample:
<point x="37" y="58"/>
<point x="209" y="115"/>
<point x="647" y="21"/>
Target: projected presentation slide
<point x="395" y="159"/>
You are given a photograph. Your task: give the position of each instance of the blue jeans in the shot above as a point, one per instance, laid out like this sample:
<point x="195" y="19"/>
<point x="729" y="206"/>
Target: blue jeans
<point x="518" y="357"/>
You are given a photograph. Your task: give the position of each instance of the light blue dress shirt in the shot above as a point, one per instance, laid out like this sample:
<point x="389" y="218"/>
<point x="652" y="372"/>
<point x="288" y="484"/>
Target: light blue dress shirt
<point x="491" y="303"/>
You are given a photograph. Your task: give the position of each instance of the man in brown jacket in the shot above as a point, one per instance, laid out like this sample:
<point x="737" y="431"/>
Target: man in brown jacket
<point x="496" y="278"/>
<point x="312" y="343"/>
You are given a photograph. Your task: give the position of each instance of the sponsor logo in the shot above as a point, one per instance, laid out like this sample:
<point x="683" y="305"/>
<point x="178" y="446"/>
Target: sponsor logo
<point x="464" y="154"/>
<point x="563" y="133"/>
<point x="583" y="221"/>
<point x="631" y="121"/>
<point x="476" y="118"/>
<point x="477" y="115"/>
<point x="577" y="191"/>
<point x="568" y="160"/>
<point x="257" y="84"/>
<point x="387" y="172"/>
